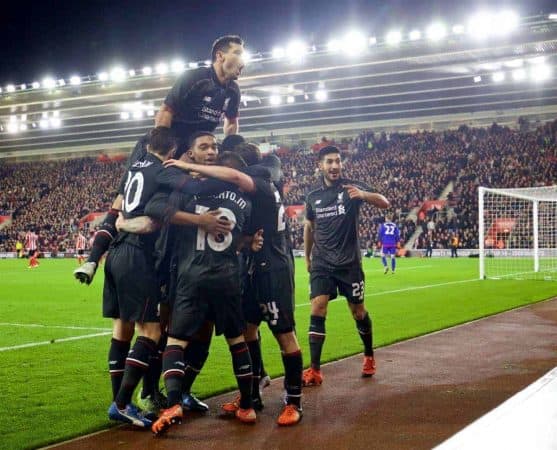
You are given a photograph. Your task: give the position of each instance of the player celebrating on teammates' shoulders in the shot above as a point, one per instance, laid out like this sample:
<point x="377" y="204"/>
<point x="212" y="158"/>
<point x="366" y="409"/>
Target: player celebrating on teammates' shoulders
<point x="333" y="258"/>
<point x="389" y="236"/>
<point x="197" y="102"/>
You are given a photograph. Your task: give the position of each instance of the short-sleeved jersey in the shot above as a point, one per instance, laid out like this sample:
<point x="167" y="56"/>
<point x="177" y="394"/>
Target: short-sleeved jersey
<point x="335" y="218"/>
<point x="144" y="179"/>
<point x="198" y="101"/>
<point x="268" y="214"/>
<point x="389" y="234"/>
<point x="198" y="252"/>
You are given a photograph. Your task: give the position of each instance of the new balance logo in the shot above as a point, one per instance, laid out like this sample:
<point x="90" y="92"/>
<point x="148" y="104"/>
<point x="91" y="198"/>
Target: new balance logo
<point x="207" y="99"/>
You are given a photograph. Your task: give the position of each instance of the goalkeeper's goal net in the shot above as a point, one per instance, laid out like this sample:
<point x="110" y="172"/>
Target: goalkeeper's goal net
<point x="518" y="233"/>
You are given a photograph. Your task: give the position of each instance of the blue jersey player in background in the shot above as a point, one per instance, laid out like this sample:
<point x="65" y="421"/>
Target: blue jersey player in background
<point x="389" y="235"/>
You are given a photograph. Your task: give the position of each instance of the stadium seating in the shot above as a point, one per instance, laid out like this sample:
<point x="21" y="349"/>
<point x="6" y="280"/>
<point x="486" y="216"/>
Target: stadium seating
<point x="409" y="169"/>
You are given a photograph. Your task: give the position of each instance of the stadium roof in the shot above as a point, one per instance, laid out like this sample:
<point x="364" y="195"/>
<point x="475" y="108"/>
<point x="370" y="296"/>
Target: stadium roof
<point x="433" y="79"/>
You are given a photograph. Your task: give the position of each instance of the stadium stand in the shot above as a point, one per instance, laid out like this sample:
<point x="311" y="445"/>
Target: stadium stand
<point x="412" y="170"/>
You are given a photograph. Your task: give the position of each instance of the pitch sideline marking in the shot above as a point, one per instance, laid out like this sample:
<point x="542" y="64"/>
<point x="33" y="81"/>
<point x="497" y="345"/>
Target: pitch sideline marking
<point x="63" y="327"/>
<point x="53" y="341"/>
<point x="414" y="288"/>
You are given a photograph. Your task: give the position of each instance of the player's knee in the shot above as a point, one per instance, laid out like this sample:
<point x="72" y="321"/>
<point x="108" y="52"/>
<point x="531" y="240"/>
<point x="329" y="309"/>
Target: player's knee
<point x="151" y="330"/>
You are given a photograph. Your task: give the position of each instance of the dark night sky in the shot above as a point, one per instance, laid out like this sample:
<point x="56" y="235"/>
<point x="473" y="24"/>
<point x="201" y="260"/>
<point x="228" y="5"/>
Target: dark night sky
<point x="63" y="37"/>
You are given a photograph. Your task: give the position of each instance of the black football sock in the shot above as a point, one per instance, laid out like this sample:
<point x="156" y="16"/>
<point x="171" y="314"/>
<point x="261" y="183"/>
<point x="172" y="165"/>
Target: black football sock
<point x="255" y="355"/>
<point x="137" y="364"/>
<point x="104" y="236"/>
<point x="293" y="367"/>
<point x="173" y="372"/>
<point x="316" y="339"/>
<point x="241" y="362"/>
<point x="152" y="376"/>
<point x="364" y="327"/>
<point x="195" y="355"/>
<point x="116" y="363"/>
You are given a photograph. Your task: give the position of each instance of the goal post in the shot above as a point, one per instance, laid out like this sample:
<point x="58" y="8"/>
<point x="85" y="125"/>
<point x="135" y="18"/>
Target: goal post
<point x="517" y="233"/>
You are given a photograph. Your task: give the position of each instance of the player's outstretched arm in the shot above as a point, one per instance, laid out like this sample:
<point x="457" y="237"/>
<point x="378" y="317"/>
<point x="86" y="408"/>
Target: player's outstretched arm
<point x="308" y="242"/>
<point x="373" y="198"/>
<point x="243" y="181"/>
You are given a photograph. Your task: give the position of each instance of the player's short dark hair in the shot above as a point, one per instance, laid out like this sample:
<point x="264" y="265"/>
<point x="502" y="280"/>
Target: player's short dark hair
<point x="231" y="141"/>
<point x="223" y="43"/>
<point x="329" y="149"/>
<point x="198" y="134"/>
<point x="231" y="159"/>
<point x="161" y="140"/>
<point x="249" y="152"/>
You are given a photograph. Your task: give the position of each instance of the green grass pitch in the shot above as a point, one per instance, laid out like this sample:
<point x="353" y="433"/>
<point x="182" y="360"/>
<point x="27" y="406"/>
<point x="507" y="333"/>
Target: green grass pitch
<point x="54" y="342"/>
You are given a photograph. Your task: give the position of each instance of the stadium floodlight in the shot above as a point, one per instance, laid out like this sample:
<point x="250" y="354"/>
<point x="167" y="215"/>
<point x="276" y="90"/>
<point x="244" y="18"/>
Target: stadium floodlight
<point x="150" y="112"/>
<point x="415" y="35"/>
<point x="278" y="53"/>
<point x="131" y="73"/>
<point x="35" y="85"/>
<point x="103" y="76"/>
<point x="124" y="115"/>
<point x="49" y="83"/>
<point x="480" y="25"/>
<point x="55" y="113"/>
<point x="23" y="127"/>
<point x="75" y="80"/>
<point x="275" y="100"/>
<point x="354" y="43"/>
<point x="537" y="60"/>
<point x="247" y="56"/>
<point x="55" y="122"/>
<point x="519" y="74"/>
<point x="118" y="74"/>
<point x="10" y="88"/>
<point x="23" y="86"/>
<point x="12" y="127"/>
<point x="290" y="99"/>
<point x="178" y="66"/>
<point x="161" y="68"/>
<point x="45" y="114"/>
<point x="540" y="72"/>
<point x="458" y="29"/>
<point x="514" y="63"/>
<point x="393" y="37"/>
<point x="147" y="71"/>
<point x="506" y="22"/>
<point x="44" y="124"/>
<point x="552" y="16"/>
<point x="0" y="90"/>
<point x="34" y="124"/>
<point x="137" y="114"/>
<point x="498" y="77"/>
<point x="23" y="117"/>
<point x="193" y="65"/>
<point x="436" y="32"/>
<point x="13" y="119"/>
<point x="334" y="45"/>
<point x="61" y="82"/>
<point x="372" y="40"/>
<point x="296" y="51"/>
<point x="321" y="95"/>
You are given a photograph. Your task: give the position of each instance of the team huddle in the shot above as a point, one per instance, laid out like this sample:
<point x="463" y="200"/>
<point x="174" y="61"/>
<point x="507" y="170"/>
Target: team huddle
<point x="198" y="245"/>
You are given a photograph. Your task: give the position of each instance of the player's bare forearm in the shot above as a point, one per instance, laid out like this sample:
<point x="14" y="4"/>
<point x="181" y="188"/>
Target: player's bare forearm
<point x="308" y="242"/>
<point x="137" y="225"/>
<point x="164" y="117"/>
<point x="233" y="176"/>
<point x="211" y="221"/>
<point x="375" y="199"/>
<point x="117" y="203"/>
<point x="230" y="126"/>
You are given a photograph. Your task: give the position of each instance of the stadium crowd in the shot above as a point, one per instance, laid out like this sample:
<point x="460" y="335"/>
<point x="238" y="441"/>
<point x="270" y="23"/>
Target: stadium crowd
<point x="409" y="168"/>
